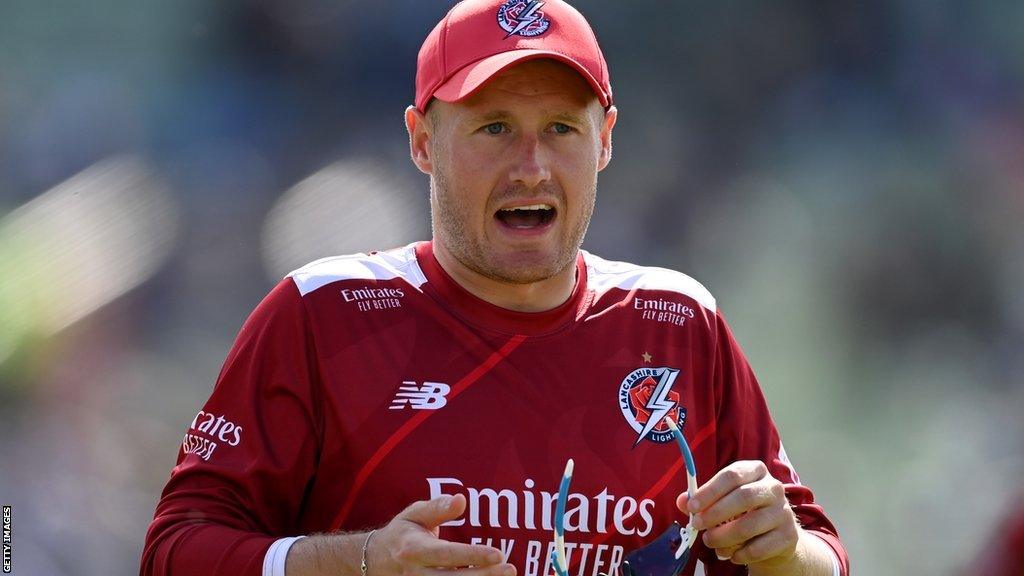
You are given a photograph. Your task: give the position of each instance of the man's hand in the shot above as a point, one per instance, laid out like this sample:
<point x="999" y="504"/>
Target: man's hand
<point x="409" y="545"/>
<point x="747" y="520"/>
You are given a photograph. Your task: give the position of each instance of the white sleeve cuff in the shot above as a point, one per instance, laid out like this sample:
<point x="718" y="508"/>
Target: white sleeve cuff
<point x="831" y="554"/>
<point x="273" y="562"/>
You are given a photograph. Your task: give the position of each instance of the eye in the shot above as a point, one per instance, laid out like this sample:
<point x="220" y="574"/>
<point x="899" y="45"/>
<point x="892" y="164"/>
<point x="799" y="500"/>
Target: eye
<point x="561" y="128"/>
<point x="495" y="128"/>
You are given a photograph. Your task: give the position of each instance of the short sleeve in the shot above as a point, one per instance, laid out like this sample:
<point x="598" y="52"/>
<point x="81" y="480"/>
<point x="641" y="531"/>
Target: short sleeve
<point x="745" y="431"/>
<point x="248" y="456"/>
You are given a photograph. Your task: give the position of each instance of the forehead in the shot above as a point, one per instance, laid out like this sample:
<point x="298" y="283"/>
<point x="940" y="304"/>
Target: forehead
<point x="545" y="79"/>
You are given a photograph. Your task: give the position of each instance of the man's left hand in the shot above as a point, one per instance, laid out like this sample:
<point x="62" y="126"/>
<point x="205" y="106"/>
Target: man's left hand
<point x="745" y="515"/>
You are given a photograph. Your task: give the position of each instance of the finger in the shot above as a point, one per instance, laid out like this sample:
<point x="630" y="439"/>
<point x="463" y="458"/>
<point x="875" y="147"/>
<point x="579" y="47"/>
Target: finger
<point x="443" y="554"/>
<point x="726" y="480"/>
<point x="738" y="532"/>
<point x="779" y="543"/>
<point x="765" y="492"/>
<point x="681" y="501"/>
<point x="432" y="513"/>
<point x="726" y="553"/>
<point x="496" y="570"/>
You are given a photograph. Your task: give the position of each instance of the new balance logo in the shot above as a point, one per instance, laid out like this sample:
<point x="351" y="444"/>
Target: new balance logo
<point x="429" y="396"/>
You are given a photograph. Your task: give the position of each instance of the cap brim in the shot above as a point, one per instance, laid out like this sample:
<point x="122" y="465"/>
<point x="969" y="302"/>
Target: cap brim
<point x="471" y="77"/>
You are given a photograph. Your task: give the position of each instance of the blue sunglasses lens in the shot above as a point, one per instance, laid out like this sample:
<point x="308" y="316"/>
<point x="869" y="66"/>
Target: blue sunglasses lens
<point x="659" y="557"/>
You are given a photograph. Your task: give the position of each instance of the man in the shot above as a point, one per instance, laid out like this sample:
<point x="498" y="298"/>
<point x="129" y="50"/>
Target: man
<point x="413" y="409"/>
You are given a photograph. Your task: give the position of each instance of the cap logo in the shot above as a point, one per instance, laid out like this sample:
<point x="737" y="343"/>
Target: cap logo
<point x="522" y="17"/>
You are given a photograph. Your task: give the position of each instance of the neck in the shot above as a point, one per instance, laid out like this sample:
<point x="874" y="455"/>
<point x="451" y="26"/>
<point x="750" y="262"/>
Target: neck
<point x="537" y="296"/>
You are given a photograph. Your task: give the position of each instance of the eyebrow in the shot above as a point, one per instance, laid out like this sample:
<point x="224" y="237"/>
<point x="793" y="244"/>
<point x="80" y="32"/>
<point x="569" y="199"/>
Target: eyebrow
<point x="570" y="118"/>
<point x="491" y="116"/>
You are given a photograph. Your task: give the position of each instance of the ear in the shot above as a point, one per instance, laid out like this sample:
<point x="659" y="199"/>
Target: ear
<point x="610" y="116"/>
<point x="420" y="133"/>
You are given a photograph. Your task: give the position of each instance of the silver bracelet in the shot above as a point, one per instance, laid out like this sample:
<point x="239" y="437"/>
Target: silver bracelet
<point x="362" y="563"/>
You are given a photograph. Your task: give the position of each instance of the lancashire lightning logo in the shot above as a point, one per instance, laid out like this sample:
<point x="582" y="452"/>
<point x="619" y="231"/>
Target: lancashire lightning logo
<point x="645" y="398"/>
<point x="523" y="18"/>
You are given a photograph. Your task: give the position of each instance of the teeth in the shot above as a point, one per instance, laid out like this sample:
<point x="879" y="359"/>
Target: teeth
<point x="530" y="207"/>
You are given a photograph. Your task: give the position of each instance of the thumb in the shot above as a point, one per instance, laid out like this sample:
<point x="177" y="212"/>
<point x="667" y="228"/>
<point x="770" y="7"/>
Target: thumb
<point x="432" y="513"/>
<point x="687" y="506"/>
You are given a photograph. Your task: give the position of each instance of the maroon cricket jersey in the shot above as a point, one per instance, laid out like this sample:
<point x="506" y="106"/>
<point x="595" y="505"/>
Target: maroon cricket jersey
<point x="364" y="383"/>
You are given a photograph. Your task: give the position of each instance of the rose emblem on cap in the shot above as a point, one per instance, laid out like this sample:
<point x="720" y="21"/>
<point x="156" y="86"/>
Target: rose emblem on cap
<point x="523" y="18"/>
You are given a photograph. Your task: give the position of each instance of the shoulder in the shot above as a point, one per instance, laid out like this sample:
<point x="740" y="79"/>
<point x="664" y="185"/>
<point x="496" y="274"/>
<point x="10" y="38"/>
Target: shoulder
<point x="605" y="275"/>
<point x="398" y="264"/>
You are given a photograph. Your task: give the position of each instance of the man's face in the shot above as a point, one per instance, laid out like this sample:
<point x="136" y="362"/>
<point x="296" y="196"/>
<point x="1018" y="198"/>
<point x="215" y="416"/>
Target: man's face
<point x="514" y="171"/>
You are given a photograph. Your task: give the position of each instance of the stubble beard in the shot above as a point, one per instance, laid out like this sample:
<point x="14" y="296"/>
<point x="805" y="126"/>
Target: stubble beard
<point x="450" y="222"/>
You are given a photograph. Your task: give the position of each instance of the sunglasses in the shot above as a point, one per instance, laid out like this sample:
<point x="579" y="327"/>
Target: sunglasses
<point x="665" y="556"/>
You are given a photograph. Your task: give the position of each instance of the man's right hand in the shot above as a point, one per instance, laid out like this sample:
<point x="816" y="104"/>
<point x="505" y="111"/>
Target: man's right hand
<point x="407" y="546"/>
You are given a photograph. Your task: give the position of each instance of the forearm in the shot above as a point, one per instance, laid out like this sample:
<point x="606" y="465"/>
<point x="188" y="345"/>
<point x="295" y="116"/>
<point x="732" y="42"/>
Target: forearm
<point x="409" y="544"/>
<point x="812" y="557"/>
<point x="326" y="555"/>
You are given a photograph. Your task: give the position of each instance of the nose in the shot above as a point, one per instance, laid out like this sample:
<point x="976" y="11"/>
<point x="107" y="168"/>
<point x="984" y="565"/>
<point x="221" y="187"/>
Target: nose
<point x="530" y="166"/>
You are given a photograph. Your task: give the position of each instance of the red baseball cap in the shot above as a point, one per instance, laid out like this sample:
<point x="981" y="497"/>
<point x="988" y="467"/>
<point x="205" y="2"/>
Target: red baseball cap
<point x="479" y="38"/>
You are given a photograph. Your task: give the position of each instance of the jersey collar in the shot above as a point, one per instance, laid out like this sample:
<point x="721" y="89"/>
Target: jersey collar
<point x="483" y="314"/>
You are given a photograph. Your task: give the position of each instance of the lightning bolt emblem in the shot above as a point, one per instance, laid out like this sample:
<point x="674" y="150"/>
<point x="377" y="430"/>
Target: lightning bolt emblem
<point x="527" y="17"/>
<point x="659" y="404"/>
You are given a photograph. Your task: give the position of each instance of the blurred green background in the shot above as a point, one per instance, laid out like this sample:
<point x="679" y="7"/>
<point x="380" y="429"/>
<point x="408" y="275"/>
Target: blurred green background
<point x="847" y="177"/>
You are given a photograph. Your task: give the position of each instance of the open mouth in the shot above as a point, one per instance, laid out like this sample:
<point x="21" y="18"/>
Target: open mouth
<point x="526" y="217"/>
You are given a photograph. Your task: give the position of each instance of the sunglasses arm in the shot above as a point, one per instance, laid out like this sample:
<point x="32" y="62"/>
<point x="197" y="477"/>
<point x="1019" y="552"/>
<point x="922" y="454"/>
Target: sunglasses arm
<point x="689" y="533"/>
<point x="561" y="566"/>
